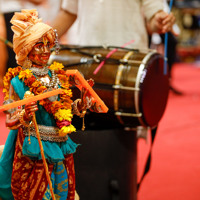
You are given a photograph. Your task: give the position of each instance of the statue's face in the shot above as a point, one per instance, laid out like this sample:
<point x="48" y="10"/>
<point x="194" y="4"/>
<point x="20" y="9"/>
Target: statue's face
<point x="40" y="53"/>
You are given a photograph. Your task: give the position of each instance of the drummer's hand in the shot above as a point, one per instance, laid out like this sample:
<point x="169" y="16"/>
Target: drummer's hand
<point x="162" y="22"/>
<point x="30" y="109"/>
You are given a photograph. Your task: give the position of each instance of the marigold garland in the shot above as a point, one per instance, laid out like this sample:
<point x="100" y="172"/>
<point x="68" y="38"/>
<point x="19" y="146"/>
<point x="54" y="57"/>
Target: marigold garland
<point x="12" y="72"/>
<point x="66" y="130"/>
<point x="61" y="109"/>
<point x="63" y="114"/>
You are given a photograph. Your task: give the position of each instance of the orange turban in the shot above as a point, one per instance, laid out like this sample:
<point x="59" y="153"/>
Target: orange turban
<point x="28" y="29"/>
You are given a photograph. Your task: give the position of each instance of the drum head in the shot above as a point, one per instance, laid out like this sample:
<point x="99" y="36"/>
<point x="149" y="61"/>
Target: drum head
<point x="154" y="86"/>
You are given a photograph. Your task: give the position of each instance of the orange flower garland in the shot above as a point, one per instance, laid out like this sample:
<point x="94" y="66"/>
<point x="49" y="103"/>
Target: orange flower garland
<point x="7" y="78"/>
<point x="61" y="109"/>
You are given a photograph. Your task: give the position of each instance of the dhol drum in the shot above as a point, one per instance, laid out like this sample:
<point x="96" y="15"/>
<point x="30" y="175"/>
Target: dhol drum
<point x="131" y="82"/>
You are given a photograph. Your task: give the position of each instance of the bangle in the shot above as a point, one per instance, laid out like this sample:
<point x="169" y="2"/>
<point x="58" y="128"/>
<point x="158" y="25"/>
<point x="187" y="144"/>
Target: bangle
<point x="21" y="119"/>
<point x="75" y="107"/>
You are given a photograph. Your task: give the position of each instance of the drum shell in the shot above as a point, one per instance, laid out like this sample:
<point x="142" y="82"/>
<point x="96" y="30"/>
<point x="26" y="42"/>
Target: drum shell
<point x="112" y="76"/>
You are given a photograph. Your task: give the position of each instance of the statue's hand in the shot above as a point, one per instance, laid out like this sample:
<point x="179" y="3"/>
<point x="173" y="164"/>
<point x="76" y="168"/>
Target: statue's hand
<point x="30" y="108"/>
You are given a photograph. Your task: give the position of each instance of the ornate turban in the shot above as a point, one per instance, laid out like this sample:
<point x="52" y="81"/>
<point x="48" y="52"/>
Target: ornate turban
<point x="28" y="29"/>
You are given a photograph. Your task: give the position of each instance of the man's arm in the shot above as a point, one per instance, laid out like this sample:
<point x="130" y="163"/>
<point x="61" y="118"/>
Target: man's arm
<point x="36" y="2"/>
<point x="63" y="22"/>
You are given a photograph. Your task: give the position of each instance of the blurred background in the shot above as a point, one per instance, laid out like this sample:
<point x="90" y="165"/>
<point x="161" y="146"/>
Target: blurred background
<point x="187" y="13"/>
<point x="175" y="166"/>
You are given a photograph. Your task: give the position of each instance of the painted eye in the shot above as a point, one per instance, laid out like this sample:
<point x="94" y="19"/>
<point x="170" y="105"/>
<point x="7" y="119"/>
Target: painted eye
<point x="48" y="45"/>
<point x="40" y="46"/>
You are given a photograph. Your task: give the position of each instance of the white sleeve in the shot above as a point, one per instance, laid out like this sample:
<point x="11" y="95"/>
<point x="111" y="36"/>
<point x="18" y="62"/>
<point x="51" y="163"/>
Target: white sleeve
<point x="70" y="6"/>
<point x="151" y="7"/>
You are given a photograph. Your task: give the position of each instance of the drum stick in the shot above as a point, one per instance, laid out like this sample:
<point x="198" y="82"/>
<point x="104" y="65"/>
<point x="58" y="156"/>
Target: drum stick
<point x="46" y="169"/>
<point x="6" y="42"/>
<point x="30" y="99"/>
<point x="43" y="158"/>
<point x="166" y="43"/>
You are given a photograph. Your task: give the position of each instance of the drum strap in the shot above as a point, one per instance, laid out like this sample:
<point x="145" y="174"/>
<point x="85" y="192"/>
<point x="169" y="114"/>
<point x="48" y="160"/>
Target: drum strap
<point x="148" y="162"/>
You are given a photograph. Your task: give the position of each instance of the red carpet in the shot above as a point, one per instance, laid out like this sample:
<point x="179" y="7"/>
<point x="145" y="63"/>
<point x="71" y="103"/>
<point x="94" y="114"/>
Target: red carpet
<point x="175" y="166"/>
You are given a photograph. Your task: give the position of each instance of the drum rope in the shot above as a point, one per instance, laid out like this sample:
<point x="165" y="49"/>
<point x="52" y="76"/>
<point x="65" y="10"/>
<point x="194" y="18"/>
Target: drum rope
<point x="71" y="47"/>
<point x="99" y="58"/>
<point x="96" y="58"/>
<point x="108" y="56"/>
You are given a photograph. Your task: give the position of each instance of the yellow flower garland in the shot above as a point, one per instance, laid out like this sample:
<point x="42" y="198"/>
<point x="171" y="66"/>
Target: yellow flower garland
<point x="61" y="109"/>
<point x="63" y="114"/>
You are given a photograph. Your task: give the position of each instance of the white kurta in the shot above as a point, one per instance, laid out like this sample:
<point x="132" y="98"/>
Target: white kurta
<point x="112" y="22"/>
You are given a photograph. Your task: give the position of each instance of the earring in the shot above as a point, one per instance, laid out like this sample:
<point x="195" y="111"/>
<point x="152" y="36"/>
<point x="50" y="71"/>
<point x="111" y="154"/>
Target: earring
<point x="27" y="63"/>
<point x="57" y="46"/>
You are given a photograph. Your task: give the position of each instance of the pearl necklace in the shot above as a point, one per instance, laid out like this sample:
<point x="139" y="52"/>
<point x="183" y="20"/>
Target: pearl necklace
<point x="40" y="71"/>
<point x="53" y="83"/>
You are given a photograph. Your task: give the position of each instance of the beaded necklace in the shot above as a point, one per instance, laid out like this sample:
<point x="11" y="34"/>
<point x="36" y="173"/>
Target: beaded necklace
<point x="54" y="82"/>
